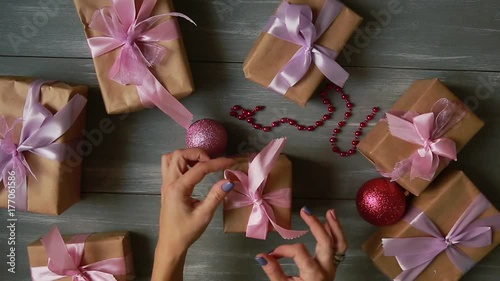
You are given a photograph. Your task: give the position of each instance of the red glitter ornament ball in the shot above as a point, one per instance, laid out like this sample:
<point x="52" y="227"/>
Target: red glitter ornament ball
<point x="207" y="134"/>
<point x="381" y="202"/>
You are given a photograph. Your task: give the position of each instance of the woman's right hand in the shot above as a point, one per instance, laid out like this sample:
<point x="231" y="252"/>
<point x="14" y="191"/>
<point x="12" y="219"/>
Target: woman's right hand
<point x="330" y="250"/>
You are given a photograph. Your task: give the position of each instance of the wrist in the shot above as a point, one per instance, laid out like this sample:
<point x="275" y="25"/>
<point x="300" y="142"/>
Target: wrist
<point x="168" y="263"/>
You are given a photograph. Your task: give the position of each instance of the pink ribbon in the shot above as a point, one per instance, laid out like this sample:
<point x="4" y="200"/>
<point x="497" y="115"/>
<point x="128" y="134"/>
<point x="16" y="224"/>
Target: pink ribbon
<point x="293" y="23"/>
<point x="136" y="35"/>
<point x="425" y="130"/>
<point x="40" y="129"/>
<point x="415" y="254"/>
<point x="248" y="191"/>
<point x="65" y="261"/>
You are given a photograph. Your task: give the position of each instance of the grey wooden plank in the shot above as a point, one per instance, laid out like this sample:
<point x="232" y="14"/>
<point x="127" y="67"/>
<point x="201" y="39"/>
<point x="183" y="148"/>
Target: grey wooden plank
<point x="216" y="256"/>
<point x="444" y="34"/>
<point x="127" y="159"/>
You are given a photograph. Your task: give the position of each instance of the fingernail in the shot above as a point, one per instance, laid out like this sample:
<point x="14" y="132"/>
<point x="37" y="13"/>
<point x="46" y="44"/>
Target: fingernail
<point x="307" y="210"/>
<point x="261" y="261"/>
<point x="332" y="212"/>
<point x="227" y="186"/>
<point x="270" y="252"/>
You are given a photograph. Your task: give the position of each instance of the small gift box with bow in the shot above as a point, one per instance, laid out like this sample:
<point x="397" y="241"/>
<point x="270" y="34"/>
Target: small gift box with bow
<point x="139" y="55"/>
<point x="82" y="257"/>
<point x="449" y="228"/>
<point x="41" y="124"/>
<point x="261" y="199"/>
<point x="298" y="47"/>
<point x="421" y="133"/>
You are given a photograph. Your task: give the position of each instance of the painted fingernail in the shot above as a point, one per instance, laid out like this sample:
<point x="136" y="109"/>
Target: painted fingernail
<point x="261" y="261"/>
<point x="227" y="186"/>
<point x="307" y="210"/>
<point x="332" y="212"/>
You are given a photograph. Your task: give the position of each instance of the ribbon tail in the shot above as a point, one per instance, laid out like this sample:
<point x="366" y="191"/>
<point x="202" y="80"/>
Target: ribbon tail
<point x="283" y="232"/>
<point x="329" y="67"/>
<point x="258" y="223"/>
<point x="99" y="276"/>
<point x="152" y="92"/>
<point x="412" y="274"/>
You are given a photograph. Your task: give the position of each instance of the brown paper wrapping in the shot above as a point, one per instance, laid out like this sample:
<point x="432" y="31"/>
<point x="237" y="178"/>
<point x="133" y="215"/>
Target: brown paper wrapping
<point x="58" y="183"/>
<point x="173" y="73"/>
<point x="269" y="54"/>
<point x="98" y="247"/>
<point x="384" y="150"/>
<point x="443" y="202"/>
<point x="236" y="220"/>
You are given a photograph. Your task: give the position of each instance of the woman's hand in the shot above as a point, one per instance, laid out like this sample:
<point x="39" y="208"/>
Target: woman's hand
<point x="183" y="219"/>
<point x="330" y="250"/>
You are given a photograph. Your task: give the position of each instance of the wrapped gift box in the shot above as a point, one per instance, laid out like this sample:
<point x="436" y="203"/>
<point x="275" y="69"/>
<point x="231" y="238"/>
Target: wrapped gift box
<point x="236" y="220"/>
<point x="98" y="247"/>
<point x="173" y="73"/>
<point x="269" y="54"/>
<point x="443" y="202"/>
<point x="385" y="150"/>
<point x="57" y="184"/>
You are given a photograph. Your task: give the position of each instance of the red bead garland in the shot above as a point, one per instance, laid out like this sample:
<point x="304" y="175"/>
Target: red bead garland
<point x="247" y="115"/>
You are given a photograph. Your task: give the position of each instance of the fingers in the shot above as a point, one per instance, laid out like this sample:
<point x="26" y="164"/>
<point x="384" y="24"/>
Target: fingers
<point x="215" y="197"/>
<point x="194" y="175"/>
<point x="324" y="246"/>
<point x="338" y="233"/>
<point x="175" y="164"/>
<point x="307" y="265"/>
<point x="271" y="267"/>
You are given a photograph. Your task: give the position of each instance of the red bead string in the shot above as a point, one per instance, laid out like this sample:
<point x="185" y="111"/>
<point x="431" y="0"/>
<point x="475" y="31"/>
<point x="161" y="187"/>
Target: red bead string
<point x="248" y="115"/>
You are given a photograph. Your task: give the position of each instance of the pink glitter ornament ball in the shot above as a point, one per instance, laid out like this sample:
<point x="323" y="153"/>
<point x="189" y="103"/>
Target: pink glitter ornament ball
<point x="207" y="134"/>
<point x="381" y="202"/>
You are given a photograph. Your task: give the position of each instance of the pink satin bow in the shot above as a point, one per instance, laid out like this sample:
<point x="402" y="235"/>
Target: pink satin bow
<point x="293" y="23"/>
<point x="415" y="254"/>
<point x="248" y="191"/>
<point x="40" y="129"/>
<point x="65" y="261"/>
<point x="137" y="34"/>
<point x="425" y="130"/>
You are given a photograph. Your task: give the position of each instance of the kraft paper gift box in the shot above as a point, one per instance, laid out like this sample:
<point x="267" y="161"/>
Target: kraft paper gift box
<point x="384" y="150"/>
<point x="443" y="202"/>
<point x="97" y="247"/>
<point x="269" y="54"/>
<point x="57" y="184"/>
<point x="173" y="72"/>
<point x="236" y="220"/>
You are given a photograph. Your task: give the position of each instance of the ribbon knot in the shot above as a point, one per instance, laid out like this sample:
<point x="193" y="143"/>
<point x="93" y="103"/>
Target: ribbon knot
<point x="293" y="23"/>
<point x="248" y="191"/>
<point x="137" y="34"/>
<point x="40" y="129"/>
<point x="415" y="254"/>
<point x="425" y="130"/>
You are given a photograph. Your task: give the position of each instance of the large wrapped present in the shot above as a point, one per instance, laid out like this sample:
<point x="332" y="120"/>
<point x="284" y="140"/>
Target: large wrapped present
<point x="98" y="256"/>
<point x="298" y="47"/>
<point x="261" y="200"/>
<point x="448" y="229"/>
<point x="138" y="55"/>
<point x="421" y="133"/>
<point x="40" y="125"/>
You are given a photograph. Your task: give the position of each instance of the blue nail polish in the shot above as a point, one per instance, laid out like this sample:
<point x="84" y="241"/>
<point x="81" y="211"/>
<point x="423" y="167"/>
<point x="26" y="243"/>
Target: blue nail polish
<point x="307" y="210"/>
<point x="227" y="186"/>
<point x="261" y="261"/>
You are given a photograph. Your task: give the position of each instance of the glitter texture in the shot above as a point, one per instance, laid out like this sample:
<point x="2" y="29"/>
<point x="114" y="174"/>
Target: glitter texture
<point x="381" y="202"/>
<point x="207" y="134"/>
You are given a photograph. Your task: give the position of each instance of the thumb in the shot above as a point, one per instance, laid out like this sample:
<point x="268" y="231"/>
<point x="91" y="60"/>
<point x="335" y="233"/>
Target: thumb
<point x="271" y="267"/>
<point x="215" y="196"/>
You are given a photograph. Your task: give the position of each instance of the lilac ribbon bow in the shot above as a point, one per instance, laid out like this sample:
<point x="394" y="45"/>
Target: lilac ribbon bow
<point x="40" y="130"/>
<point x="415" y="254"/>
<point x="293" y="23"/>
<point x="425" y="130"/>
<point x="137" y="35"/>
<point x="248" y="191"/>
<point x="65" y="261"/>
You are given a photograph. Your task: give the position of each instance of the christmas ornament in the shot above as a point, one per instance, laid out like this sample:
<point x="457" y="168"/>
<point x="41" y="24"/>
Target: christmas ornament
<point x="381" y="202"/>
<point x="247" y="114"/>
<point x="207" y="134"/>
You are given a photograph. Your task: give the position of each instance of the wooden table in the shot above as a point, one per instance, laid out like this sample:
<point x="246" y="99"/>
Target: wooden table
<point x="454" y="40"/>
